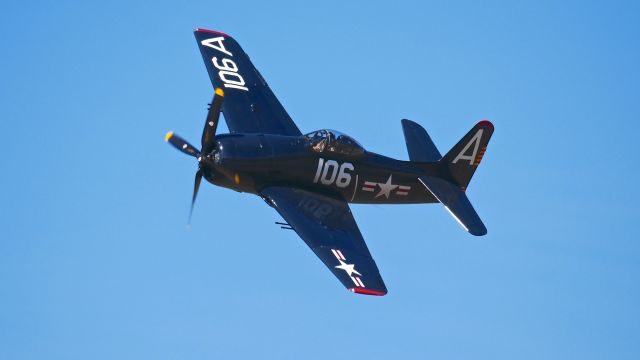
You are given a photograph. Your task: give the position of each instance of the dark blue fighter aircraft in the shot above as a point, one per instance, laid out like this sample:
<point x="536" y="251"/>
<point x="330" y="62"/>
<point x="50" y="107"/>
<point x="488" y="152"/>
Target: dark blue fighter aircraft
<point x="311" y="178"/>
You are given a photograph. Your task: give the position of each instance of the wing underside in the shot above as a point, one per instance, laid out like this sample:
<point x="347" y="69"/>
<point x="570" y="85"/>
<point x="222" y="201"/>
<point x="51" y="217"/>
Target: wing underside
<point x="329" y="229"/>
<point x="250" y="106"/>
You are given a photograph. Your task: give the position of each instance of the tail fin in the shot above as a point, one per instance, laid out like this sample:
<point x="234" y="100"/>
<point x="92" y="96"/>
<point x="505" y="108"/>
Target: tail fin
<point x="456" y="169"/>
<point x="419" y="145"/>
<point x="463" y="159"/>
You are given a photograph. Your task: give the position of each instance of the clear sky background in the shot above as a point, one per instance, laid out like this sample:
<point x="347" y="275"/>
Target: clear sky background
<point x="95" y="258"/>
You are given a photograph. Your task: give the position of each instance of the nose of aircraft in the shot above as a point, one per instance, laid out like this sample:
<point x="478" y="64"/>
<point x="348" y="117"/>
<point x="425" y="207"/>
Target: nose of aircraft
<point x="207" y="147"/>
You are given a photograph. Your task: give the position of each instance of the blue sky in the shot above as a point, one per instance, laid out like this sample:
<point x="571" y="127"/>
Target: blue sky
<point x="95" y="258"/>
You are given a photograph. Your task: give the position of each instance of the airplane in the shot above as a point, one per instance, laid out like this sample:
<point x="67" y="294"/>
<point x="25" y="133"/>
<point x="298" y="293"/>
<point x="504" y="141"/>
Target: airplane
<point x="310" y="179"/>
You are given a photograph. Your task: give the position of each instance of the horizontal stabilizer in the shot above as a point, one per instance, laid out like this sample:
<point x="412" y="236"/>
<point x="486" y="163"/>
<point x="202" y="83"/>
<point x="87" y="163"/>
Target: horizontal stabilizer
<point x="456" y="202"/>
<point x="419" y="145"/>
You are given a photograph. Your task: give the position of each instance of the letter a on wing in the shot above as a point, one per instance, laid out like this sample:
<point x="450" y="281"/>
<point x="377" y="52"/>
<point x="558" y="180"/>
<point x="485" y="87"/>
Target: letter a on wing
<point x="219" y="41"/>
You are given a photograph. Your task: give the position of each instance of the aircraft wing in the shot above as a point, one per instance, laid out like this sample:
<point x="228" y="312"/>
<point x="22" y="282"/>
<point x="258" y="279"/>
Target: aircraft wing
<point x="249" y="104"/>
<point x="329" y="229"/>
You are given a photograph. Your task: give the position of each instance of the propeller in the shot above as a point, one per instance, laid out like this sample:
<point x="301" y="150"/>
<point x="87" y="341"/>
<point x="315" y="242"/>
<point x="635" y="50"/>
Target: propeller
<point x="181" y="144"/>
<point x="211" y="124"/>
<point x="207" y="144"/>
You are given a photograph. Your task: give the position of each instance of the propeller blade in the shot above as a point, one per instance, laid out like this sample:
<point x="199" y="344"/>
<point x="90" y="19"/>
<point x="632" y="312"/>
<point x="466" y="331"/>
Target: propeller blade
<point x="196" y="186"/>
<point x="210" y="126"/>
<point x="181" y="144"/>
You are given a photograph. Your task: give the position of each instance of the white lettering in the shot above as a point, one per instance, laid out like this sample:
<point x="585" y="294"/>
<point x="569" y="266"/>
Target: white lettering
<point x="238" y="82"/>
<point x="328" y="180"/>
<point x="228" y="69"/>
<point x="225" y="64"/>
<point x="344" y="178"/>
<point x="319" y="171"/>
<point x="475" y="141"/>
<point x="219" y="40"/>
<point x="330" y="172"/>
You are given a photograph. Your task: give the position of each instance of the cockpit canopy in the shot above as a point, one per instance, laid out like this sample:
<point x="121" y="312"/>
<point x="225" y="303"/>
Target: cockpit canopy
<point x="331" y="141"/>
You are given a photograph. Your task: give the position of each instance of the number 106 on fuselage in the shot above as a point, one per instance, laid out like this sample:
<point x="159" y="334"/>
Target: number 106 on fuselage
<point x="330" y="172"/>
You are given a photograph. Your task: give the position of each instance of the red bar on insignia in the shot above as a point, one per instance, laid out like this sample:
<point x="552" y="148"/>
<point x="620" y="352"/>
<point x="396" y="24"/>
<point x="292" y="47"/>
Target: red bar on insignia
<point x="340" y="254"/>
<point x="369" y="186"/>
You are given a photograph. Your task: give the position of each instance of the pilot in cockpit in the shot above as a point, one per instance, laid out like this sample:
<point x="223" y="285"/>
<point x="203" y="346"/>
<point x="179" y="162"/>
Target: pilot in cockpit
<point x="332" y="141"/>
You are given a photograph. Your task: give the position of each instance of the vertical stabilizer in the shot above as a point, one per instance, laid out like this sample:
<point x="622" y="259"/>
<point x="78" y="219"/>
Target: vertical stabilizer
<point x="463" y="159"/>
<point x="419" y="145"/>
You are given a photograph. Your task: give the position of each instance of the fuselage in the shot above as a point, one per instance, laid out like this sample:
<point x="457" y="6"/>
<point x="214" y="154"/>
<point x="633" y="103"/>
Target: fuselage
<point x="251" y="162"/>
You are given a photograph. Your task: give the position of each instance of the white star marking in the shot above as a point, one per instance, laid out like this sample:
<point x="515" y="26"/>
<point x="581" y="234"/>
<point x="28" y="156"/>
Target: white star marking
<point x="386" y="188"/>
<point x="349" y="268"/>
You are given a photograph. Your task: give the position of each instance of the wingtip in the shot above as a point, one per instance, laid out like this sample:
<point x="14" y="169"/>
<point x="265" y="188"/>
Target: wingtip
<point x="363" y="291"/>
<point x="219" y="92"/>
<point x="168" y="135"/>
<point x="211" y="31"/>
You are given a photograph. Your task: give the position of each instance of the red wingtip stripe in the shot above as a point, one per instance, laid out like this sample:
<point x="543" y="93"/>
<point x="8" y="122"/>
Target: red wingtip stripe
<point x="486" y="123"/>
<point x="367" y="291"/>
<point x="211" y="31"/>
